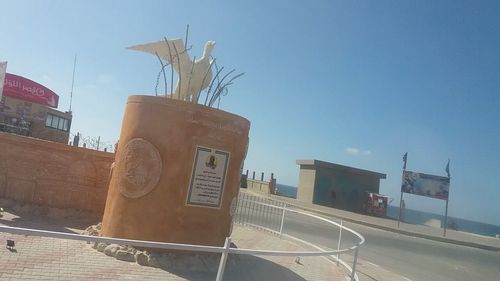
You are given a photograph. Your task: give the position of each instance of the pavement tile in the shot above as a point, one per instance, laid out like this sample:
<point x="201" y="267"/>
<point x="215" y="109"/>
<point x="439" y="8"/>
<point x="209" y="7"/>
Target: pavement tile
<point x="41" y="258"/>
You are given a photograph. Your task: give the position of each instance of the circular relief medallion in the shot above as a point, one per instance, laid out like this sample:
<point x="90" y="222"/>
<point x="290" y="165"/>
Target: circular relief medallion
<point x="138" y="168"/>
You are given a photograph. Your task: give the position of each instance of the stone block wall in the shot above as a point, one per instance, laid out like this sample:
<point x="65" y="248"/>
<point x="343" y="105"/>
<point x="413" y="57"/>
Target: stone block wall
<point x="53" y="174"/>
<point x="265" y="187"/>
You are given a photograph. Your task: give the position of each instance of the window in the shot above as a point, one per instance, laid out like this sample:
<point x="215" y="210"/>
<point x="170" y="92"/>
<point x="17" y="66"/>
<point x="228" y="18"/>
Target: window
<point x="55" y="119"/>
<point x="57" y="122"/>
<point x="66" y="123"/>
<point x="61" y="123"/>
<point x="48" y="121"/>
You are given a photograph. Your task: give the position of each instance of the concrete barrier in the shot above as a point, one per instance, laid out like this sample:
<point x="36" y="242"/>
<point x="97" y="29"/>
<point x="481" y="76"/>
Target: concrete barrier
<point x="264" y="187"/>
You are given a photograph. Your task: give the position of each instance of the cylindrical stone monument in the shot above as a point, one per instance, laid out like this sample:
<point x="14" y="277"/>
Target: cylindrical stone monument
<point x="176" y="173"/>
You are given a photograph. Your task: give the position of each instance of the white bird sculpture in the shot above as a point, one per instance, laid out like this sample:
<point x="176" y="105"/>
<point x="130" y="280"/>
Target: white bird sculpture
<point x="194" y="76"/>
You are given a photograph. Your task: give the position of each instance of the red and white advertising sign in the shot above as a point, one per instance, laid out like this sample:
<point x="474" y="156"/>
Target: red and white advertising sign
<point x="22" y="88"/>
<point x="3" y="69"/>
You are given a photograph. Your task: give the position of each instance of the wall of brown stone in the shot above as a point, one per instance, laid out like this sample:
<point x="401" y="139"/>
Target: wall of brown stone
<point x="53" y="174"/>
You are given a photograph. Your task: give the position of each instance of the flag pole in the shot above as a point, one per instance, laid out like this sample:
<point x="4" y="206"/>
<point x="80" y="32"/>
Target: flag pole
<point x="447" y="198"/>
<point x="405" y="158"/>
<point x="400" y="207"/>
<point x="445" y="219"/>
<point x="72" y="85"/>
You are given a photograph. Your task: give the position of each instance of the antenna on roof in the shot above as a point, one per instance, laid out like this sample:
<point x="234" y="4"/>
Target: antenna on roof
<point x="72" y="84"/>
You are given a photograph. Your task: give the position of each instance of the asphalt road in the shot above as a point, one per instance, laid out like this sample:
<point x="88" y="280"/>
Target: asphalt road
<point x="414" y="258"/>
<point x="422" y="259"/>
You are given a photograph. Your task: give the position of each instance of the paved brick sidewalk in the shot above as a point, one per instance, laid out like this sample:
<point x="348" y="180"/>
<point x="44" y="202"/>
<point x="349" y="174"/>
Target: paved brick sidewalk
<point x="40" y="258"/>
<point x="308" y="268"/>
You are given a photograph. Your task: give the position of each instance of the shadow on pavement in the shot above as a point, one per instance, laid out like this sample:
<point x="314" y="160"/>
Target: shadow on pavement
<point x="45" y="218"/>
<point x="244" y="268"/>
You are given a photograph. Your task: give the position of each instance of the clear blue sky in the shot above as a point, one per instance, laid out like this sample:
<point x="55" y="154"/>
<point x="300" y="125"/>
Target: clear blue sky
<point x="351" y="82"/>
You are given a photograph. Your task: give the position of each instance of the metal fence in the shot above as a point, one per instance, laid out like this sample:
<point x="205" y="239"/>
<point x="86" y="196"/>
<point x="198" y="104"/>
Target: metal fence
<point x="91" y="142"/>
<point x="15" y="129"/>
<point x="265" y="213"/>
<point x="271" y="215"/>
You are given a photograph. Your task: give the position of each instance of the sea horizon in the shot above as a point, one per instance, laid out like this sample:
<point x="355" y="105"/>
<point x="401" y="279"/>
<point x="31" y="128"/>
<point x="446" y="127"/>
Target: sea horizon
<point x="413" y="216"/>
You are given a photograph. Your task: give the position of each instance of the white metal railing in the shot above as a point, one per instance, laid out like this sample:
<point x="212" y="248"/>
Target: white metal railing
<point x="252" y="210"/>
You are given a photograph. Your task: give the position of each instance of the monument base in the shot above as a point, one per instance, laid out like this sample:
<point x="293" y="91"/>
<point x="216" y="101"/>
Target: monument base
<point x="177" y="172"/>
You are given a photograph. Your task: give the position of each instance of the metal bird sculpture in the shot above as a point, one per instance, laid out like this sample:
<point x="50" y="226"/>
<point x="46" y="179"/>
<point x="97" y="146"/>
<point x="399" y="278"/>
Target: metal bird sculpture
<point x="194" y="75"/>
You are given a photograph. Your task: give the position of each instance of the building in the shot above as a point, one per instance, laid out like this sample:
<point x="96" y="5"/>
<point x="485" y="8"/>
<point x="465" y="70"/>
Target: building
<point x="335" y="185"/>
<point x="30" y="109"/>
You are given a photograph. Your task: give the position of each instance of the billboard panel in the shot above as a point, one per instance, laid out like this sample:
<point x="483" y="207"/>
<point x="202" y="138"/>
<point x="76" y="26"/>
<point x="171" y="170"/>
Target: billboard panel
<point x="3" y="69"/>
<point x="21" y="88"/>
<point x="426" y="185"/>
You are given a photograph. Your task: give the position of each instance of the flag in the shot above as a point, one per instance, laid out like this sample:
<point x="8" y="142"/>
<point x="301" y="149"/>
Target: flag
<point x="3" y="69"/>
<point x="405" y="157"/>
<point x="448" y="168"/>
